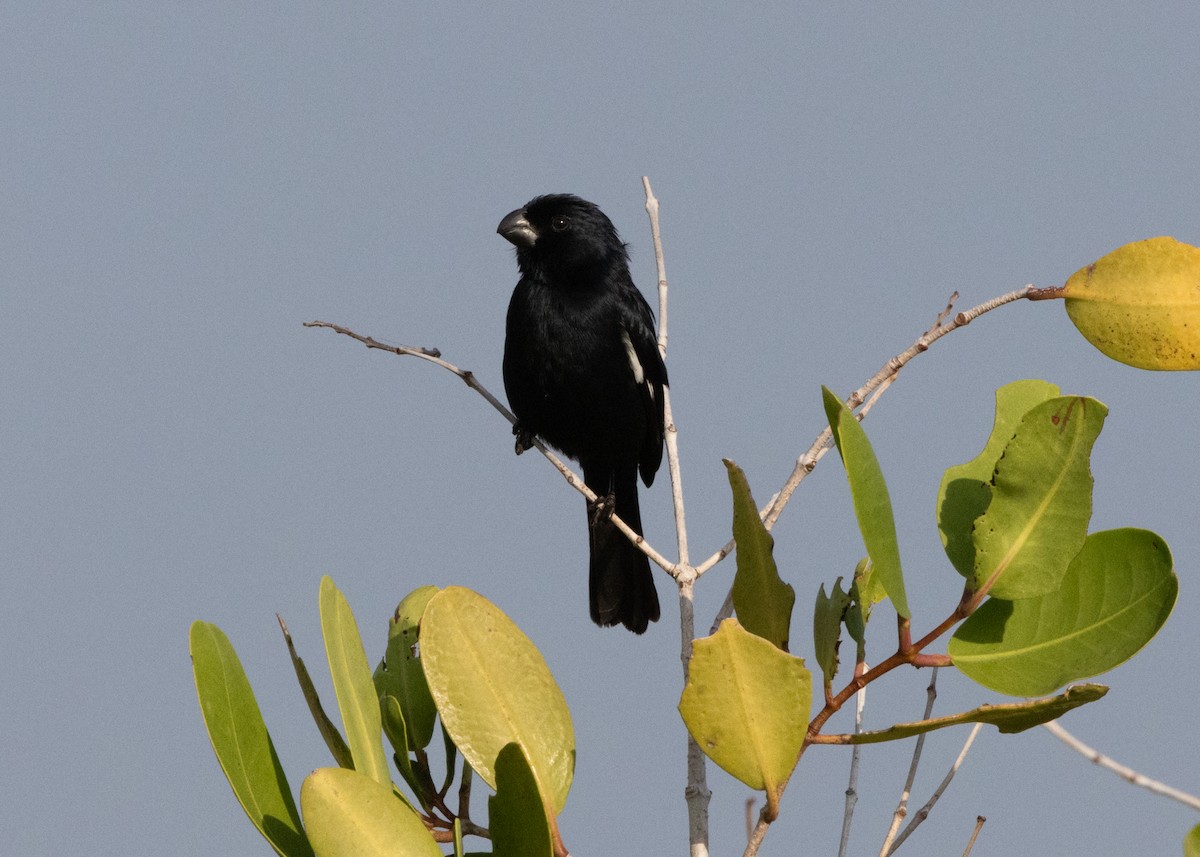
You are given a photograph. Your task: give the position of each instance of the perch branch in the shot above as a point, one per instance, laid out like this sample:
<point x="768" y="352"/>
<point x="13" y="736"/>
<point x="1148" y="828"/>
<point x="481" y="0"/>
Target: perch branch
<point x="432" y="355"/>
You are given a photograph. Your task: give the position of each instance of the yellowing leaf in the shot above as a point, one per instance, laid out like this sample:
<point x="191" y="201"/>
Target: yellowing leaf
<point x="492" y="688"/>
<point x="1191" y="845"/>
<point x="351" y="815"/>
<point x="1140" y="304"/>
<point x="747" y="705"/>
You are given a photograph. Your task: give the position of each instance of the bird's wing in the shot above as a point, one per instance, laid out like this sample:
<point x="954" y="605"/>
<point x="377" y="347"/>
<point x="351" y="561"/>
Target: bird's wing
<point x="637" y="325"/>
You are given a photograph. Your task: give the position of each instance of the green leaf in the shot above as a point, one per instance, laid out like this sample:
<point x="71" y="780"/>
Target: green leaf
<point x="516" y="813"/>
<point x="867" y="588"/>
<point x="399" y="674"/>
<point x="333" y="738"/>
<point x="458" y="840"/>
<point x="350" y="815"/>
<point x="872" y="505"/>
<point x="492" y="687"/>
<point x="1115" y="596"/>
<point x="451" y="755"/>
<point x="396" y="731"/>
<point x="1191" y="844"/>
<point x="1008" y="717"/>
<point x="827" y="628"/>
<point x="746" y="703"/>
<point x="1140" y="305"/>
<point x="763" y="602"/>
<point x="240" y="739"/>
<point x="966" y="489"/>
<point x="1041" y="500"/>
<point x="865" y="593"/>
<point x="356" y="696"/>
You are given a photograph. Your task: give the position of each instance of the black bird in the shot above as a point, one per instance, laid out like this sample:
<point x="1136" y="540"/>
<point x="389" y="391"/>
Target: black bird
<point x="583" y="372"/>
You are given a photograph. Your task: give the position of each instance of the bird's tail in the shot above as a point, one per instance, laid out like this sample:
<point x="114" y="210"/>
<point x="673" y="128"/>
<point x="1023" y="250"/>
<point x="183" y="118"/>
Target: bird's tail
<point x="621" y="585"/>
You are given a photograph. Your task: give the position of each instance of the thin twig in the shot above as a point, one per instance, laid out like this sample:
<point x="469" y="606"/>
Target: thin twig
<point x="432" y="355"/>
<point x="902" y="807"/>
<point x="1126" y="773"/>
<point x="923" y="812"/>
<point x="852" y="786"/>
<point x="671" y="429"/>
<point x="696" y="791"/>
<point x="757" y="834"/>
<point x="979" y="822"/>
<point x="806" y="462"/>
<point x="464" y="793"/>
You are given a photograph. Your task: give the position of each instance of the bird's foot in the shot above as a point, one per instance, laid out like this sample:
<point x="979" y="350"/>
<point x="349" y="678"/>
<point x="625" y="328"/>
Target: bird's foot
<point x="600" y="510"/>
<point x="524" y="439"/>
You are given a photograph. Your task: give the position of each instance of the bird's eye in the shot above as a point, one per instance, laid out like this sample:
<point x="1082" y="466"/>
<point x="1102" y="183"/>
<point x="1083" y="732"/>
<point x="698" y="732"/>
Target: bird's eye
<point x="560" y="223"/>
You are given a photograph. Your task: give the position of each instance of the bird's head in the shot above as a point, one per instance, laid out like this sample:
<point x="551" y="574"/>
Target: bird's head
<point x="562" y="234"/>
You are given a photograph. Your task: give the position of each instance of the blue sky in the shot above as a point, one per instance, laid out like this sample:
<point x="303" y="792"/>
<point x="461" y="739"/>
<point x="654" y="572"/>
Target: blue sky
<point x="185" y="184"/>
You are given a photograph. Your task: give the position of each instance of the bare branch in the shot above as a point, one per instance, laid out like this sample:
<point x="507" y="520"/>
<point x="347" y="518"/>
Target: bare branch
<point x="696" y="791"/>
<point x="852" y="786"/>
<point x="902" y="807"/>
<point x="1128" y="774"/>
<point x="671" y="429"/>
<point x="464" y="793"/>
<point x="923" y="812"/>
<point x="979" y="822"/>
<point x="886" y="374"/>
<point x="432" y="355"/>
<point x="757" y="834"/>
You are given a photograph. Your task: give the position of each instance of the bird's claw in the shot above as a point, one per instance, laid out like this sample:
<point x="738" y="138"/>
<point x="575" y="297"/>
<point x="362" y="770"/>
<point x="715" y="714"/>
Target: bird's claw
<point x="524" y="439"/>
<point x="601" y="509"/>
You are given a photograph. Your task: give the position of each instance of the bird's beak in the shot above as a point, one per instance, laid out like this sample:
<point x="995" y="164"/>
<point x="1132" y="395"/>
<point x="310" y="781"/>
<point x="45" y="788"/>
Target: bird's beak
<point x="516" y="229"/>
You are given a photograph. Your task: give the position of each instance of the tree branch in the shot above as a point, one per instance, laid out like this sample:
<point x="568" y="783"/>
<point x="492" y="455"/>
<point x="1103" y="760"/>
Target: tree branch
<point x="877" y="382"/>
<point x="923" y="812"/>
<point x="902" y="807"/>
<point x="696" y="792"/>
<point x="432" y="355"/>
<point x="852" y="786"/>
<point x="671" y="430"/>
<point x="1128" y="774"/>
<point x="979" y="822"/>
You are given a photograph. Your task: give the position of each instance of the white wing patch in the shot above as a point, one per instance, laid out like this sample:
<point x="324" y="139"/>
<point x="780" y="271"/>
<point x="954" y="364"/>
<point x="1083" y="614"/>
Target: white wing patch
<point x="639" y="375"/>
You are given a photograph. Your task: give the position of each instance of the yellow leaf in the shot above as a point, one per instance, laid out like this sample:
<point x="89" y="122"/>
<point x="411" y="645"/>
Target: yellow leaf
<point x="1140" y="304"/>
<point x="747" y="705"/>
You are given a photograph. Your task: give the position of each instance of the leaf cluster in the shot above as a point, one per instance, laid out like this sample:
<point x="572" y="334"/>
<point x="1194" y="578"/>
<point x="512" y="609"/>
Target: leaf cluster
<point x="451" y="658"/>
<point x="1044" y="602"/>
